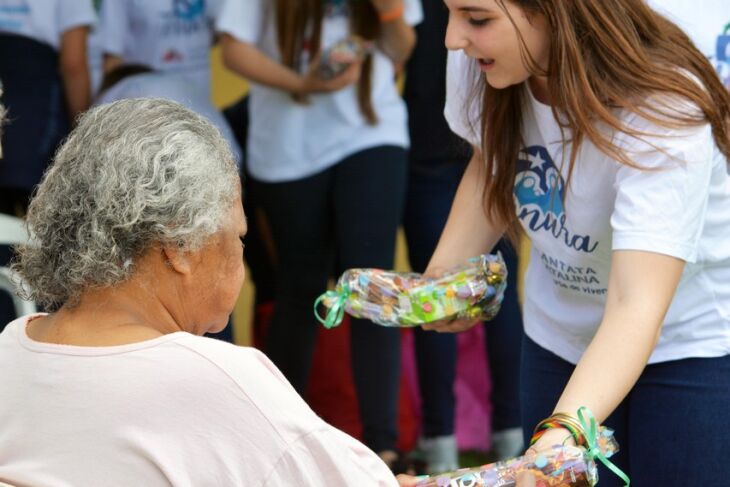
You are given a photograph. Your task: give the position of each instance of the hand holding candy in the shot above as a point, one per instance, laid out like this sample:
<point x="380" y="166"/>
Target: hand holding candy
<point x="313" y="83"/>
<point x="341" y="56"/>
<point x="558" y="465"/>
<point x="471" y="292"/>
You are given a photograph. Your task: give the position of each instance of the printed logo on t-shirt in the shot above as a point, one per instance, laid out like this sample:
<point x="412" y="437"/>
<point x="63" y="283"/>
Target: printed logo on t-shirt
<point x="189" y="10"/>
<point x="539" y="195"/>
<point x="13" y="17"/>
<point x="336" y="8"/>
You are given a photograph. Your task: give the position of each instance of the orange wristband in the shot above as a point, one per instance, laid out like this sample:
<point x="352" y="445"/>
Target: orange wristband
<point x="392" y="15"/>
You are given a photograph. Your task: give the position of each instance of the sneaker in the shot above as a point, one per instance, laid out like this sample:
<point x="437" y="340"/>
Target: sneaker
<point x="508" y="443"/>
<point x="440" y="453"/>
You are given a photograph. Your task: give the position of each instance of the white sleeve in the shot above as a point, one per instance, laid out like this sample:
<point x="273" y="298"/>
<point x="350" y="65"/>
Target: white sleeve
<point x="214" y="9"/>
<point x="114" y="23"/>
<point x="661" y="208"/>
<point x="243" y="19"/>
<point x="413" y="14"/>
<point x="328" y="456"/>
<point x="462" y="108"/>
<point x="75" y="13"/>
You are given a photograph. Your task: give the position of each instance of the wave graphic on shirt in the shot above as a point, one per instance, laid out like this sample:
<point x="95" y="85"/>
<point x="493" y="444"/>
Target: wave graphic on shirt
<point x="188" y="9"/>
<point x="539" y="195"/>
<point x="538" y="182"/>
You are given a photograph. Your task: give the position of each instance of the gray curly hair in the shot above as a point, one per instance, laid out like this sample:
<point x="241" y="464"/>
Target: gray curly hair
<point x="132" y="174"/>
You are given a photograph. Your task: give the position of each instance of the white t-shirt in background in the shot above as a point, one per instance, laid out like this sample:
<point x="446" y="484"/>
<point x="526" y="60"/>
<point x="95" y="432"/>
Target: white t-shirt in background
<point x="288" y="140"/>
<point x="175" y="88"/>
<point x="45" y="20"/>
<point x="166" y="35"/>
<point x="176" y="410"/>
<point x="707" y="23"/>
<point x="680" y="210"/>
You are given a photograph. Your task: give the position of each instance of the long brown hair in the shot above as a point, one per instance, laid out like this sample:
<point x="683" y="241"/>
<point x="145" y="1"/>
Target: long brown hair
<point x="295" y="19"/>
<point x="604" y="55"/>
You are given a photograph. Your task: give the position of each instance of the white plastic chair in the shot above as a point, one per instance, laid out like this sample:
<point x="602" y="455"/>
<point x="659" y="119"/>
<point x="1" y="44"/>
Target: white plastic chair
<point x="12" y="232"/>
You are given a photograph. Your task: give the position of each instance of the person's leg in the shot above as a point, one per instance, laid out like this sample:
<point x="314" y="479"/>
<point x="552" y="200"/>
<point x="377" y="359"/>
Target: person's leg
<point x="504" y="337"/>
<point x="368" y="192"/>
<point x="543" y="376"/>
<point x="431" y="189"/>
<point x="678" y="419"/>
<point x="297" y="213"/>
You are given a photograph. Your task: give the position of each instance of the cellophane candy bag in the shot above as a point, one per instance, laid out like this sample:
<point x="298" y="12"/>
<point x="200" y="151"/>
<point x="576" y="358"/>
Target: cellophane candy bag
<point x="474" y="290"/>
<point x="560" y="466"/>
<point x="343" y="53"/>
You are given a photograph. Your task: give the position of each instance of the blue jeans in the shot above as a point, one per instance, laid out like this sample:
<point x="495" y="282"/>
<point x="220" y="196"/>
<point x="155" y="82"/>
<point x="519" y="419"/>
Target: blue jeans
<point x="670" y="428"/>
<point x="431" y="189"/>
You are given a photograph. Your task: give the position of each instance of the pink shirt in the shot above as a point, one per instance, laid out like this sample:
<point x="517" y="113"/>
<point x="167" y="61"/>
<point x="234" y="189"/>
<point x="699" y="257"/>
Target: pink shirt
<point x="176" y="410"/>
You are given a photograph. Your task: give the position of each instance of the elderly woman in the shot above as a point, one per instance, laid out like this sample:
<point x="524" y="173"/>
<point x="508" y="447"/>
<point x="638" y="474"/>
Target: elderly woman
<point x="137" y="232"/>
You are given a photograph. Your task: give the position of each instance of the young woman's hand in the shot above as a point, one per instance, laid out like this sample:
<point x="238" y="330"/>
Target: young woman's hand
<point x="446" y="325"/>
<point x="313" y="84"/>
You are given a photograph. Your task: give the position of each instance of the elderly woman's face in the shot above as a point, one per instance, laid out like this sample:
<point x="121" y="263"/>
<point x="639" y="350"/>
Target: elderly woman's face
<point x="220" y="274"/>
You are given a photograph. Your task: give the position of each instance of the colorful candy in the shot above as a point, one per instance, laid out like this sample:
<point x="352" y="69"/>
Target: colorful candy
<point x="559" y="466"/>
<point x="474" y="290"/>
<point x="337" y="58"/>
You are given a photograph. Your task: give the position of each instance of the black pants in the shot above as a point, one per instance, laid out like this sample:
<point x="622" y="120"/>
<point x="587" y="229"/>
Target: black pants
<point x="346" y="216"/>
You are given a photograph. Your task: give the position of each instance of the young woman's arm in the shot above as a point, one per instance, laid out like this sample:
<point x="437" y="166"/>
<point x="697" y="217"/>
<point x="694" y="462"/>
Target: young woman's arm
<point x="468" y="232"/>
<point x="251" y="63"/>
<point x="397" y="38"/>
<point x="75" y="70"/>
<point x="640" y="288"/>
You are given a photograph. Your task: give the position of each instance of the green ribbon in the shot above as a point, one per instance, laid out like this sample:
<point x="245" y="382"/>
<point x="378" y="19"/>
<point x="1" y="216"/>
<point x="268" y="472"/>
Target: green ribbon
<point x="590" y="426"/>
<point x="336" y="312"/>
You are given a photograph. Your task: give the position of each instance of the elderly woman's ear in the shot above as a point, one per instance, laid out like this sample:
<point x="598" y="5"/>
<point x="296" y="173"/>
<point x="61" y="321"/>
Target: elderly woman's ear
<point x="182" y="262"/>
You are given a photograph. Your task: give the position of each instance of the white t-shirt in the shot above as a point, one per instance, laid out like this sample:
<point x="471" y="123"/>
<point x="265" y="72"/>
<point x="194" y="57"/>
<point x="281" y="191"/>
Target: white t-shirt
<point x="288" y="140"/>
<point x="707" y="23"/>
<point x="680" y="210"/>
<point x="45" y="20"/>
<point x="166" y="35"/>
<point x="176" y="410"/>
<point x="175" y="88"/>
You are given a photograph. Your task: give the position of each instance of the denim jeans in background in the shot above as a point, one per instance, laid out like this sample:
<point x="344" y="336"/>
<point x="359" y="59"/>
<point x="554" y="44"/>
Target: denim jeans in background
<point x="431" y="188"/>
<point x="671" y="427"/>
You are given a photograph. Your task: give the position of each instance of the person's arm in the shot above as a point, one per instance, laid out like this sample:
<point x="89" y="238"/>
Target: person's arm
<point x="640" y="288"/>
<point x="250" y="62"/>
<point x="111" y="61"/>
<point x="468" y="231"/>
<point x="397" y="38"/>
<point x="74" y="70"/>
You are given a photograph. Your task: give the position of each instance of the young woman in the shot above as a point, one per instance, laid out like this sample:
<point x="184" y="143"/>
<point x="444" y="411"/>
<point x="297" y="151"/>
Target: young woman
<point x="603" y="132"/>
<point x="328" y="159"/>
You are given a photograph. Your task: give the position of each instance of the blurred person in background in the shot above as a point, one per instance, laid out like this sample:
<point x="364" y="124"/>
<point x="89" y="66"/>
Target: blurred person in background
<point x="327" y="155"/>
<point x="173" y="36"/>
<point x="44" y="70"/>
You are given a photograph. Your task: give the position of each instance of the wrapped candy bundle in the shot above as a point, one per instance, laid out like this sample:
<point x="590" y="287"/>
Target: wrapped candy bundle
<point x="345" y="52"/>
<point x="559" y="466"/>
<point x="474" y="290"/>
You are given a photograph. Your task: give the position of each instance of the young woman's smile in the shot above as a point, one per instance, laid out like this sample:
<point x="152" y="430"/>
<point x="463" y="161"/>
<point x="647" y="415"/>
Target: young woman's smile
<point x="491" y="30"/>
